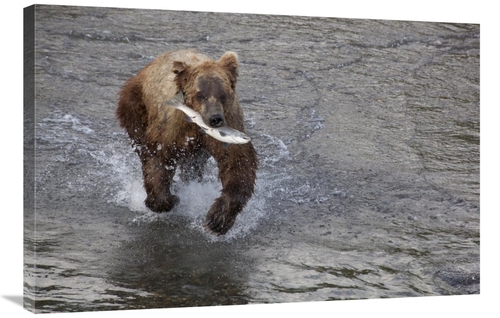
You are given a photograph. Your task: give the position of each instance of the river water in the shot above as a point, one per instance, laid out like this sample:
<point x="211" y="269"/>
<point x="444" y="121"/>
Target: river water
<point x="368" y="138"/>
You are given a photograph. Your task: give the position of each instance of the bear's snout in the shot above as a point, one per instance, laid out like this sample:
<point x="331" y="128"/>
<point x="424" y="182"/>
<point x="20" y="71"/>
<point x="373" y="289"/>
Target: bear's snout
<point x="216" y="120"/>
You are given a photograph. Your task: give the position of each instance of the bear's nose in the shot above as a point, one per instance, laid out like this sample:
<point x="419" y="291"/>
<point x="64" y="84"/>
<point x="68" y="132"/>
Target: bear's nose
<point x="216" y="120"/>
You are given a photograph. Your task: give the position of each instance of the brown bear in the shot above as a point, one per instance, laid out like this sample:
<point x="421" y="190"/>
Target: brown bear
<point x="164" y="140"/>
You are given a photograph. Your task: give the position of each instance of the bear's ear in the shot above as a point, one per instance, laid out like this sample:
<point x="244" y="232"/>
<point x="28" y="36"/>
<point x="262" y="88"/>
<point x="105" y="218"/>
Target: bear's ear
<point x="229" y="62"/>
<point x="180" y="69"/>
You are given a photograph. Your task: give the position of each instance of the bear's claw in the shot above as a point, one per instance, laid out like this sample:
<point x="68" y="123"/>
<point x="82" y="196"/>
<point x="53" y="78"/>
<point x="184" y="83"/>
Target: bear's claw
<point x="219" y="220"/>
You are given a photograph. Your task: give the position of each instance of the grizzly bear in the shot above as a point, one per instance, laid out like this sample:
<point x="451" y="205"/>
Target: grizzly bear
<point x="164" y="140"/>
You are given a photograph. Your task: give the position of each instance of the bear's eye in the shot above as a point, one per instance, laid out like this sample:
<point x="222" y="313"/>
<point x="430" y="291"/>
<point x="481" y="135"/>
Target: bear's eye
<point x="200" y="96"/>
<point x="223" y="99"/>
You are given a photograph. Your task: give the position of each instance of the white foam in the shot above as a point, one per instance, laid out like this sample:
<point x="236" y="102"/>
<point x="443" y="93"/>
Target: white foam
<point x="68" y="118"/>
<point x="277" y="148"/>
<point x="132" y="195"/>
<point x="195" y="201"/>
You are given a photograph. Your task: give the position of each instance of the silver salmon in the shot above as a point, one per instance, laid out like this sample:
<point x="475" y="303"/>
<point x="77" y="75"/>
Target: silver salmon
<point x="225" y="134"/>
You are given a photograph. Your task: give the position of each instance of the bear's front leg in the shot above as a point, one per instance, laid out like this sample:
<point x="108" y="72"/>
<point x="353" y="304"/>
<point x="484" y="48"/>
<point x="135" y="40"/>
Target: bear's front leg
<point x="158" y="175"/>
<point x="237" y="172"/>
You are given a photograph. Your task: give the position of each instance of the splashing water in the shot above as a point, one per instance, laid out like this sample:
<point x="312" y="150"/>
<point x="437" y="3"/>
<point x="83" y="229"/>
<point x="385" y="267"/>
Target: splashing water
<point x="196" y="197"/>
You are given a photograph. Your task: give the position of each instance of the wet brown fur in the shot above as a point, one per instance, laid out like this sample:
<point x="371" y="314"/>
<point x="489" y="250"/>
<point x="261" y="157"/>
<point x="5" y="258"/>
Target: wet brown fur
<point x="164" y="140"/>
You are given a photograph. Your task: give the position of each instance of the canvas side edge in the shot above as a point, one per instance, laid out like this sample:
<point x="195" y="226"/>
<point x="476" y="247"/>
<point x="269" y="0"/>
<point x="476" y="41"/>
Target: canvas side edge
<point x="29" y="225"/>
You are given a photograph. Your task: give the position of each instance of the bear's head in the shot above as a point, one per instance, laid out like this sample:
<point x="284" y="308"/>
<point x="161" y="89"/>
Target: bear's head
<point x="209" y="88"/>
